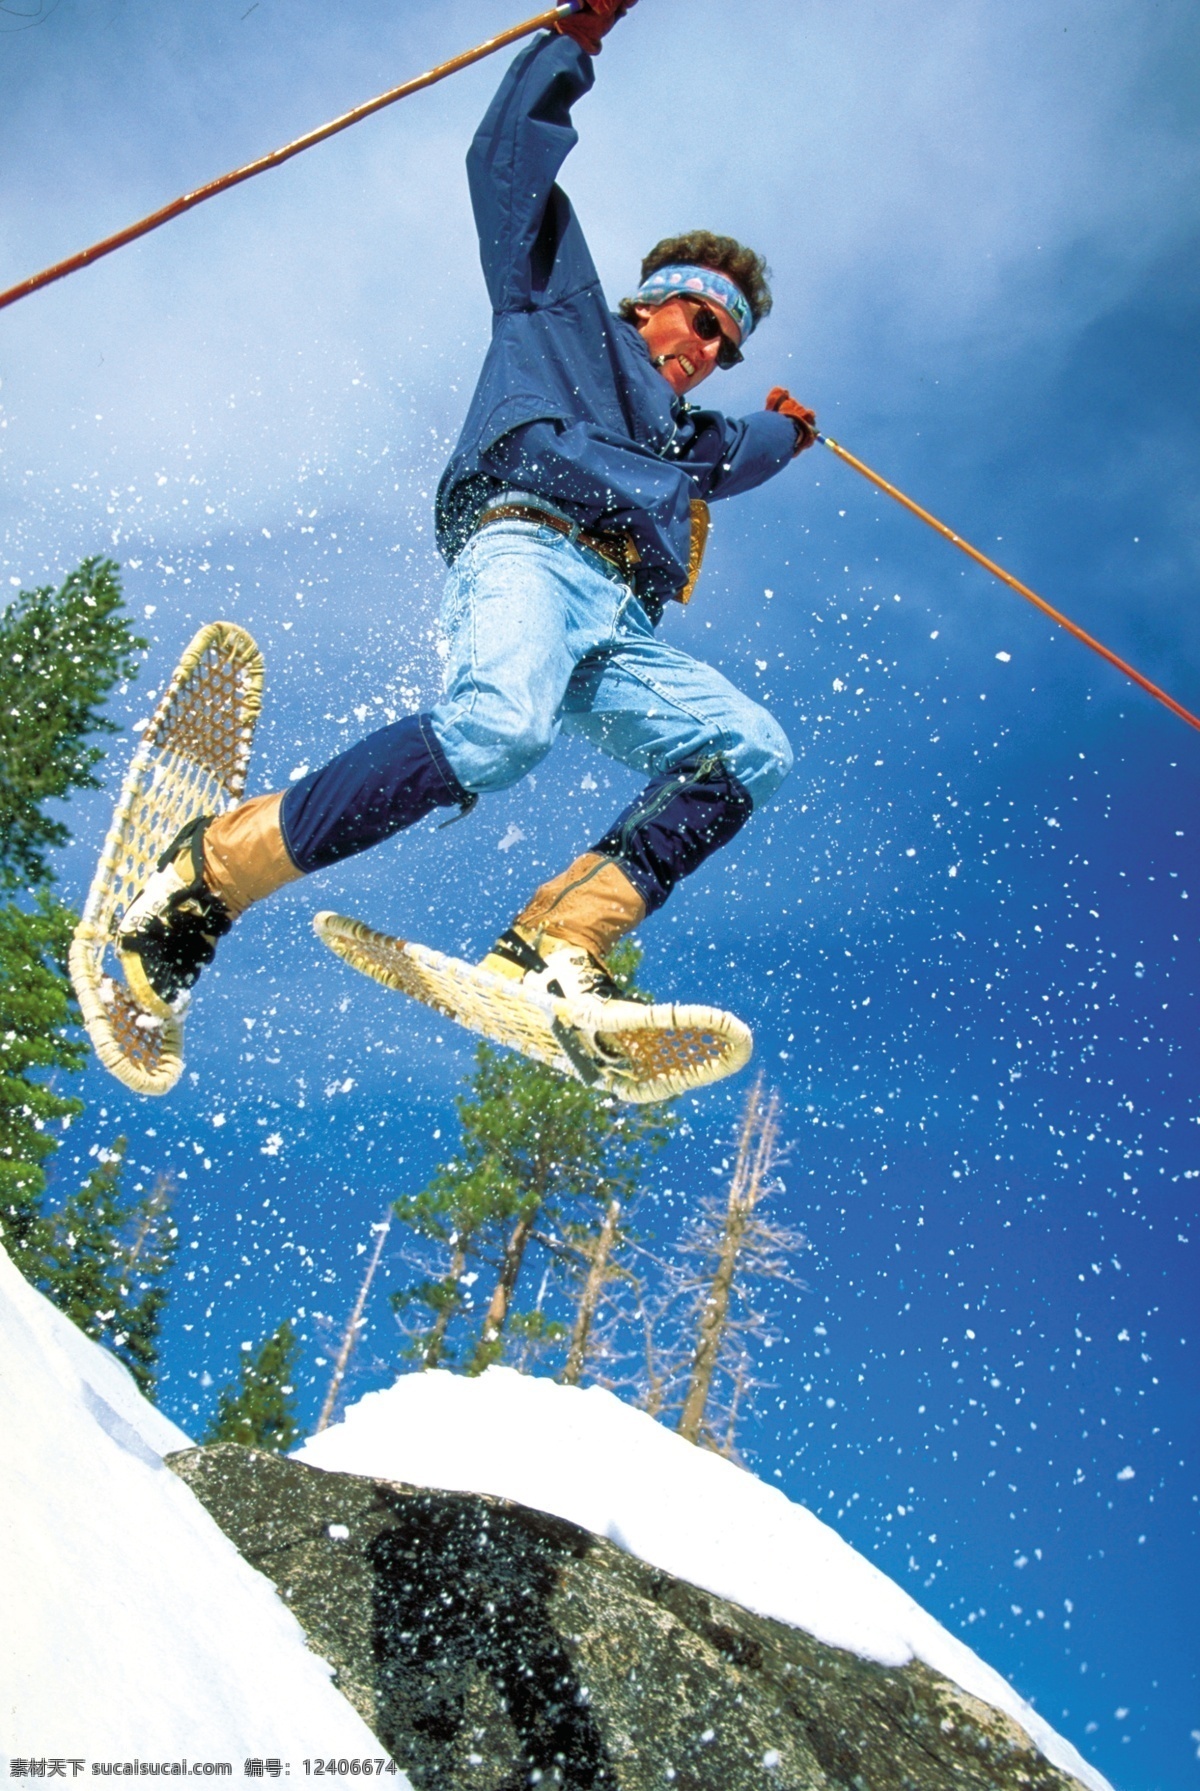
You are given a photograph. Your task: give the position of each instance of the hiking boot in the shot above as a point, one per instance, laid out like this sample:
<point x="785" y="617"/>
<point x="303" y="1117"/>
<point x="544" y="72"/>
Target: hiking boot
<point x="170" y="930"/>
<point x="596" y="1005"/>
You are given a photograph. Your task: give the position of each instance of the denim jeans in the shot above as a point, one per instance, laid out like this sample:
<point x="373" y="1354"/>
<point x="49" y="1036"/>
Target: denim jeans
<point x="541" y="634"/>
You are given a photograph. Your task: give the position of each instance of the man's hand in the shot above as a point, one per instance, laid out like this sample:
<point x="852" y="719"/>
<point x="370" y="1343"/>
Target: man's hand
<point x="780" y="399"/>
<point x="594" y="20"/>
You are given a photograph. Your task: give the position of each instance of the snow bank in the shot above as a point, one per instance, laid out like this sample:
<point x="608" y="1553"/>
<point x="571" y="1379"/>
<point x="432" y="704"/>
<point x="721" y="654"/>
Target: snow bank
<point x="585" y="1456"/>
<point x="132" y="1626"/>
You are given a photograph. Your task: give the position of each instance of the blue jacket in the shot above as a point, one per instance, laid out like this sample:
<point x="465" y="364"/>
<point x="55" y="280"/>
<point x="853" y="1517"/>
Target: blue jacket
<point x="568" y="404"/>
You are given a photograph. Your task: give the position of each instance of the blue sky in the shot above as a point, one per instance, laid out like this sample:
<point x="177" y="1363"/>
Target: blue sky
<point x="965" y="932"/>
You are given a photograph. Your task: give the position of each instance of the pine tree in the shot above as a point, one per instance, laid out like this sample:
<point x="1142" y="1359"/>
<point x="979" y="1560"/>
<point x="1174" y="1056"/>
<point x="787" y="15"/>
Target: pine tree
<point x="449" y="1215"/>
<point x="152" y="1254"/>
<point x="61" y="653"/>
<point x="739" y="1249"/>
<point x="537" y="1155"/>
<point x="596" y="1251"/>
<point x="256" y="1409"/>
<point x="354" y="1325"/>
<point x="531" y="1336"/>
<point x="552" y="1147"/>
<point x="530" y="1142"/>
<point x="37" y="1040"/>
<point x="104" y="1260"/>
<point x="634" y="1339"/>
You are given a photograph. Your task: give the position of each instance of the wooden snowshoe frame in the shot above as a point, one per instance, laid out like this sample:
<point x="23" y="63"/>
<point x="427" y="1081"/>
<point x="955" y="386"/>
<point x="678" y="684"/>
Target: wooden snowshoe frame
<point x="191" y="760"/>
<point x="670" y="1048"/>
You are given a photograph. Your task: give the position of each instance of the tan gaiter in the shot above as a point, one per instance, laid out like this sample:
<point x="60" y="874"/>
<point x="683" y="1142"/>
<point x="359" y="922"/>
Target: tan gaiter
<point x="245" y="858"/>
<point x="593" y="904"/>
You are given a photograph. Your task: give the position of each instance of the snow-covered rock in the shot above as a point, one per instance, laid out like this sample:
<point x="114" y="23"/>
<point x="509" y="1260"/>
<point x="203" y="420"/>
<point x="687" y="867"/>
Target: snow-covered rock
<point x="132" y="1628"/>
<point x="585" y="1456"/>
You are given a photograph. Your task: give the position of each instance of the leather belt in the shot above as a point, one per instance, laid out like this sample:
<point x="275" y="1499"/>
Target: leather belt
<point x="619" y="550"/>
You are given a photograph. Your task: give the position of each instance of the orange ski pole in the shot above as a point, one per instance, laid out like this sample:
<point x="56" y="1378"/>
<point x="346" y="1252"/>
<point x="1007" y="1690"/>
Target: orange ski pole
<point x="165" y="213"/>
<point x="1014" y="584"/>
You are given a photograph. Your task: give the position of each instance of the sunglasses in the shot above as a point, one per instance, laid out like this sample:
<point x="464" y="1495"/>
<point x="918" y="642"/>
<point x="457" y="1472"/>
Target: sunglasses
<point x="707" y="326"/>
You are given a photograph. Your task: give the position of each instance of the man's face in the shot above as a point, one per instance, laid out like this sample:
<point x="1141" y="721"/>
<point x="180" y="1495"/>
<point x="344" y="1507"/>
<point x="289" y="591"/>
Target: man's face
<point x="681" y="354"/>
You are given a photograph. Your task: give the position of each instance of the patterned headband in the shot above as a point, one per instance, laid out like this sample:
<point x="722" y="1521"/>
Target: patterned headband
<point x="698" y="282"/>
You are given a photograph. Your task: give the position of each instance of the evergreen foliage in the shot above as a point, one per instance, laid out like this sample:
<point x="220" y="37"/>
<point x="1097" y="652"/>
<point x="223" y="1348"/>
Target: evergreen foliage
<point x="256" y="1409"/>
<point x="450" y="1214"/>
<point x="37" y="1039"/>
<point x="61" y="653"/>
<point x="532" y="1335"/>
<point x="104" y="1260"/>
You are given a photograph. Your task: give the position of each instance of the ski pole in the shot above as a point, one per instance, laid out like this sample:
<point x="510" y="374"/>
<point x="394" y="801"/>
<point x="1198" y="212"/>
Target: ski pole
<point x="1014" y="584"/>
<point x="165" y="213"/>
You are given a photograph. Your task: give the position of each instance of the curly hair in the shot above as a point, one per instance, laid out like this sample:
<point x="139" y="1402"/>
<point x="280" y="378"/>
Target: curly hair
<point x="704" y="248"/>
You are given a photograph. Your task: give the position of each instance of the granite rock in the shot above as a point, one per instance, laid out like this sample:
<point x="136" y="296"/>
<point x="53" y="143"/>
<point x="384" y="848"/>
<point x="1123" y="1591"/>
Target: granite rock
<point x="491" y="1647"/>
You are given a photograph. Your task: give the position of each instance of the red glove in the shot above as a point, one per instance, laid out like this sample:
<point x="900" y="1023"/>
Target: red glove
<point x="594" y="20"/>
<point x="780" y="399"/>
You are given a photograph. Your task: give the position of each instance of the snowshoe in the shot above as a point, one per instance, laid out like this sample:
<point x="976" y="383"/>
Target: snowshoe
<point x="191" y="761"/>
<point x="652" y="1052"/>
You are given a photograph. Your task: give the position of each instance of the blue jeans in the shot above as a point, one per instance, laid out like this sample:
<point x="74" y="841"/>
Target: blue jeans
<point x="541" y="634"/>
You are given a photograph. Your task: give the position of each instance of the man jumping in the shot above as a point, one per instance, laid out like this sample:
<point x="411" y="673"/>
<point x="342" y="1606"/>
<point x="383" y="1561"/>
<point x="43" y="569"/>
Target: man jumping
<point x="575" y="507"/>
